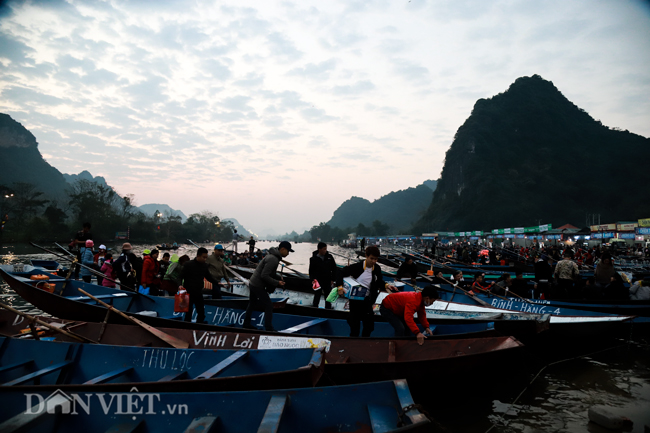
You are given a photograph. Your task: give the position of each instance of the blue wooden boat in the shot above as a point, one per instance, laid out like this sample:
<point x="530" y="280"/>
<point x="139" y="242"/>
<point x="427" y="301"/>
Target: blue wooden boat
<point x="51" y="265"/>
<point x="32" y="365"/>
<point x="68" y="303"/>
<point x="380" y="407"/>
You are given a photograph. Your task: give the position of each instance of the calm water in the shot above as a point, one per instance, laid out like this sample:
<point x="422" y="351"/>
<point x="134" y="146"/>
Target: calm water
<point x="556" y="402"/>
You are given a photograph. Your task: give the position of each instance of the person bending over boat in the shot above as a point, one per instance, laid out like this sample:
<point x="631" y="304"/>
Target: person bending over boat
<point x="399" y="308"/>
<point x="217" y="268"/>
<point x="172" y="279"/>
<point x="503" y="285"/>
<point x="192" y="277"/>
<point x="322" y="268"/>
<point x="262" y="283"/>
<point x="368" y="274"/>
<point x="458" y="280"/>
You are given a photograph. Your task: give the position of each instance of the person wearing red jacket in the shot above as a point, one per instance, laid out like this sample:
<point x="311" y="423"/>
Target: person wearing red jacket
<point x="399" y="309"/>
<point x="151" y="273"/>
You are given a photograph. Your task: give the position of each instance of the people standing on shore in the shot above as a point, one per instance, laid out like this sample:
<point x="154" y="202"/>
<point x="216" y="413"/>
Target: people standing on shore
<point x="368" y="274"/>
<point x="262" y="283"/>
<point x="217" y="268"/>
<point x="322" y="269"/>
<point x="192" y="275"/>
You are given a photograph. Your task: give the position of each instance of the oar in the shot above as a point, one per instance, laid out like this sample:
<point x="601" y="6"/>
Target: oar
<point x="63" y="249"/>
<point x="245" y="280"/>
<point x="47" y="325"/>
<point x="172" y="341"/>
<point x="74" y="262"/>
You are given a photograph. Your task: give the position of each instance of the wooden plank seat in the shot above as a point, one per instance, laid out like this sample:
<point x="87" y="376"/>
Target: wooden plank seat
<point x="37" y="374"/>
<point x="15" y="365"/>
<point x="204" y="424"/>
<point x="271" y="420"/>
<point x="109" y="376"/>
<point x="25" y="422"/>
<point x="382" y="418"/>
<point x="220" y="367"/>
<point x="304" y="325"/>
<point x="86" y="298"/>
<point x="173" y="376"/>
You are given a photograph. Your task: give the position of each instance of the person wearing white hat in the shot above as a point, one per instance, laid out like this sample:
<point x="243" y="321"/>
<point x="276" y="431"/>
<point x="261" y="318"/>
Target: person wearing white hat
<point x="98" y="261"/>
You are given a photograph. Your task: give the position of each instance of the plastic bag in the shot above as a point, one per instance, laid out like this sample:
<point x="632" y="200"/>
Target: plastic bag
<point x="333" y="296"/>
<point x="182" y="301"/>
<point x="315" y="285"/>
<point x="143" y="290"/>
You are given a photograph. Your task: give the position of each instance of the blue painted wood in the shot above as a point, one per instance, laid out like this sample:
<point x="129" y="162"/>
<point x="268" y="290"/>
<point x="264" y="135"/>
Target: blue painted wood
<point x="15" y="365"/>
<point x="126" y="427"/>
<point x="205" y="424"/>
<point x="37" y="374"/>
<point x="109" y="376"/>
<point x="243" y="412"/>
<point x="173" y="376"/>
<point x="304" y="325"/>
<point x="382" y="419"/>
<point x="273" y="415"/>
<point x="217" y="369"/>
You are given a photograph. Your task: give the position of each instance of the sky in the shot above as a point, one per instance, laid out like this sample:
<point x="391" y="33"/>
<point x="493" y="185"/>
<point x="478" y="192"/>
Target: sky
<point x="274" y="113"/>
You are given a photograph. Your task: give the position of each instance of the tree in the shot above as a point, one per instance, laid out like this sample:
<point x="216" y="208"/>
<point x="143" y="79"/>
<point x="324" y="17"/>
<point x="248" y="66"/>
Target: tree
<point x="26" y="200"/>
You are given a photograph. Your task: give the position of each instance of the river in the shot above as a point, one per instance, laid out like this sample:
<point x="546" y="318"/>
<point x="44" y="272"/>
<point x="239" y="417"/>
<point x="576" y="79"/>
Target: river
<point x="557" y="401"/>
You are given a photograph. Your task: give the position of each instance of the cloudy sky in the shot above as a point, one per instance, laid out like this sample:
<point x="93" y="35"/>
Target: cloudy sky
<point x="276" y="112"/>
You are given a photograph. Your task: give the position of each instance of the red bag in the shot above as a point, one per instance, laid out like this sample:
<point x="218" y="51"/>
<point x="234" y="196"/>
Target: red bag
<point x="182" y="301"/>
<point x="315" y="285"/>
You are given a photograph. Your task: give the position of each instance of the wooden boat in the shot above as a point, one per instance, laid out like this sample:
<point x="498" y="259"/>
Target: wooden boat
<point x="293" y="282"/>
<point x="378" y="407"/>
<point x="167" y="247"/>
<point x="68" y="303"/>
<point x="51" y="265"/>
<point x="367" y="359"/>
<point x="31" y="365"/>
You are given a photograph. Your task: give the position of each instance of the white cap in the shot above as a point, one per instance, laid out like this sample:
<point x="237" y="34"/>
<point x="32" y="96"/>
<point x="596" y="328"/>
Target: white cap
<point x="102" y="247"/>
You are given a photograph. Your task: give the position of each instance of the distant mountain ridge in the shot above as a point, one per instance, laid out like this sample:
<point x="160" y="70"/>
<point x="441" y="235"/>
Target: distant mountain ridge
<point x="530" y="155"/>
<point x="151" y="208"/>
<point x="84" y="175"/>
<point x="399" y="209"/>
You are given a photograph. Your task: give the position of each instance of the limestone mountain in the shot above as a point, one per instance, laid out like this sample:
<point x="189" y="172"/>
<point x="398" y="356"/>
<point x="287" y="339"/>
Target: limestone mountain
<point x="530" y="155"/>
<point x="84" y="175"/>
<point x="398" y="209"/>
<point x="21" y="161"/>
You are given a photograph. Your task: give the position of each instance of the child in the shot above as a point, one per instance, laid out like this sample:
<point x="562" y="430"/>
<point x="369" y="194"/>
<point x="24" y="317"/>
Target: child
<point x="107" y="269"/>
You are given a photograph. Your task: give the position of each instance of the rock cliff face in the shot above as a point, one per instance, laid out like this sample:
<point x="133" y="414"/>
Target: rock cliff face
<point x="530" y="154"/>
<point x="21" y="161"/>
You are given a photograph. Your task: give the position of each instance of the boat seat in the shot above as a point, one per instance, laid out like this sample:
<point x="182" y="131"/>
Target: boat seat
<point x="172" y="376"/>
<point x="382" y="418"/>
<point x="240" y="354"/>
<point x="178" y="317"/>
<point x="86" y="298"/>
<point x="26" y="421"/>
<point x="204" y="424"/>
<point x="37" y="374"/>
<point x="109" y="376"/>
<point x="406" y="400"/>
<point x="304" y="325"/>
<point x="271" y="420"/>
<point x="15" y="365"/>
<point x="125" y="427"/>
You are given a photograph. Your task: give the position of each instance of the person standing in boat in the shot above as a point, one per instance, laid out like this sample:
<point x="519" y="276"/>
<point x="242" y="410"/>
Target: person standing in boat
<point x="123" y="268"/>
<point x="164" y="264"/>
<point x="107" y="270"/>
<point x="566" y="273"/>
<point x="79" y="242"/>
<point x="262" y="283"/>
<point x="251" y="245"/>
<point x="322" y="269"/>
<point x="480" y="286"/>
<point x="192" y="275"/>
<point x="368" y="274"/>
<point x="217" y="268"/>
<point x="235" y="240"/>
<point x="88" y="260"/>
<point x="399" y="309"/>
<point x="408" y="270"/>
<point x="151" y="274"/>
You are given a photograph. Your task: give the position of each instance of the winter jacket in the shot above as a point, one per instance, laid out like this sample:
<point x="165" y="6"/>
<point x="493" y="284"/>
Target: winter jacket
<point x="323" y="270"/>
<point x="193" y="274"/>
<point x="266" y="270"/>
<point x="107" y="269"/>
<point x="405" y="305"/>
<point x="355" y="270"/>
<point x="639" y="292"/>
<point x="150" y="269"/>
<point x="87" y="259"/>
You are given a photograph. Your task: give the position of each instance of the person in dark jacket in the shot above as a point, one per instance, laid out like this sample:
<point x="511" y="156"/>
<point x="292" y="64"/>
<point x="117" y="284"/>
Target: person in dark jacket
<point x="322" y="268"/>
<point x="192" y="277"/>
<point x="368" y="274"/>
<point x="123" y="268"/>
<point x="262" y="283"/>
<point x="408" y="270"/>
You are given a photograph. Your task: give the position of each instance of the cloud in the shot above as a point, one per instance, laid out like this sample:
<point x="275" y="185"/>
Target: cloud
<point x="236" y="148"/>
<point x="282" y="48"/>
<point x="357" y="88"/>
<point x="411" y="71"/>
<point x="239" y="103"/>
<point x="30" y="96"/>
<point x="216" y="69"/>
<point x="316" y="115"/>
<point x="278" y="134"/>
<point x="314" y="71"/>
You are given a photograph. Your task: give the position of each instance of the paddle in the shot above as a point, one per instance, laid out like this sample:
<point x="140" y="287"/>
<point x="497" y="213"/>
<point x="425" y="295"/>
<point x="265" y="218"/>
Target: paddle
<point x="172" y="341"/>
<point x="63" y="249"/>
<point x="47" y="325"/>
<point x="480" y="301"/>
<point x="74" y="262"/>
